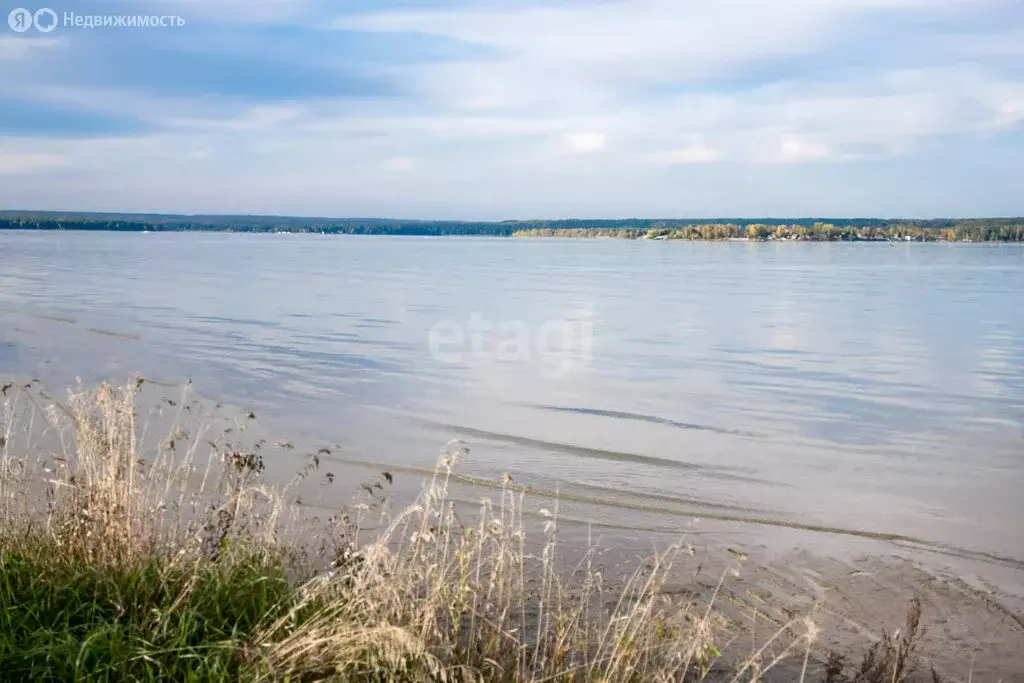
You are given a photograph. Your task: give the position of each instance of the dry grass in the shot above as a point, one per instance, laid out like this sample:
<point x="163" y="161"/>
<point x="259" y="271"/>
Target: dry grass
<point x="428" y="597"/>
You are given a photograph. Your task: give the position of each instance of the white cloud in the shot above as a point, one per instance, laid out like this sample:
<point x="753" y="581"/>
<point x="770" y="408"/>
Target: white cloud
<point x="22" y="47"/>
<point x="653" y="40"/>
<point x="16" y="163"/>
<point x="400" y="164"/>
<point x="245" y="11"/>
<point x="798" y="148"/>
<point x="697" y="153"/>
<point x="202" y="173"/>
<point x="582" y="143"/>
<point x="1010" y="113"/>
<point x="660" y="89"/>
<point x="590" y="65"/>
<point x="255" y="118"/>
<point x="655" y="34"/>
<point x="1006" y="102"/>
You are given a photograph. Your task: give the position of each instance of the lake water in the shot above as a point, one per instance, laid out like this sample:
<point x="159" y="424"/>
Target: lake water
<point x="864" y="389"/>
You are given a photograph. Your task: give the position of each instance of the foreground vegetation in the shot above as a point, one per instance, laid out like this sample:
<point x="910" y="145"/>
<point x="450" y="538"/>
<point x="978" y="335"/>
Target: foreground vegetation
<point x="121" y="562"/>
<point x="976" y="230"/>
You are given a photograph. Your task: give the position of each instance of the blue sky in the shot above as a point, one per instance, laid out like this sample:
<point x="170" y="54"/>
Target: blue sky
<point x="520" y="109"/>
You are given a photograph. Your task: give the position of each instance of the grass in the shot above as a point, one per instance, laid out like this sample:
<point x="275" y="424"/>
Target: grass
<point x="68" y="620"/>
<point x="123" y="562"/>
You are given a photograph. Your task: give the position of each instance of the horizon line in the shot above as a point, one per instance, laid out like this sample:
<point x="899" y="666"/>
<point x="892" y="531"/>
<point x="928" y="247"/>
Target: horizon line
<point x="76" y="212"/>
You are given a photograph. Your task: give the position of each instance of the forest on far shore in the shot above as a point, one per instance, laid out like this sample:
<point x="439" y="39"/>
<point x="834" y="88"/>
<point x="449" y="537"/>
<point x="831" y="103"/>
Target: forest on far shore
<point x="816" y="229"/>
<point x="818" y="232"/>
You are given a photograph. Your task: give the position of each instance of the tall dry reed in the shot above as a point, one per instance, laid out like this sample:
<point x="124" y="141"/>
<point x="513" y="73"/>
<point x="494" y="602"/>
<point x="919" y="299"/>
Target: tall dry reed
<point x="428" y="597"/>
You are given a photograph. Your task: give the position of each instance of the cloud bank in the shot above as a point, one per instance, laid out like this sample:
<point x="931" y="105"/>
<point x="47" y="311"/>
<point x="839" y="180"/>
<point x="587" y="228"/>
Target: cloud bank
<point x="522" y="109"/>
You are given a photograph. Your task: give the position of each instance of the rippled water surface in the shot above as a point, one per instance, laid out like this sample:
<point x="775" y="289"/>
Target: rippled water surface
<point x="870" y="389"/>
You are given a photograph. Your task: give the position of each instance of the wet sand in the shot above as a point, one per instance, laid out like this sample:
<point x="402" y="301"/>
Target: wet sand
<point x="972" y="630"/>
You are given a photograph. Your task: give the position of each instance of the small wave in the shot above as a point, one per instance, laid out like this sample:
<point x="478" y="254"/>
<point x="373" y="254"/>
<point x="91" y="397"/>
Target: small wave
<point x="653" y="419"/>
<point x="41" y="316"/>
<point x="111" y="333"/>
<point x="900" y="540"/>
<point x="597" y="453"/>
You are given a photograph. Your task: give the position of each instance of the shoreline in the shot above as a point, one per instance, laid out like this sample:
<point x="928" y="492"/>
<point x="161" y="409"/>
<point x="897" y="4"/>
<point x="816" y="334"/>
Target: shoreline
<point x="851" y="599"/>
<point x="992" y="229"/>
<point x="586" y="235"/>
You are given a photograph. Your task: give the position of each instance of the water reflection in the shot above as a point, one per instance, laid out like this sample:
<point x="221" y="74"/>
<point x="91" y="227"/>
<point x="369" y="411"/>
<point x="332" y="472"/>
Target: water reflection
<point x="857" y="386"/>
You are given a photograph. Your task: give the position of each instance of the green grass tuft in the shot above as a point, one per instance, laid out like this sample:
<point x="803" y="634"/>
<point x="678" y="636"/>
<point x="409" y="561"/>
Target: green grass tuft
<point x="62" y="620"/>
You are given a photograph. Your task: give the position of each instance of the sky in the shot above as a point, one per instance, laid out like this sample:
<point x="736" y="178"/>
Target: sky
<point x="503" y="109"/>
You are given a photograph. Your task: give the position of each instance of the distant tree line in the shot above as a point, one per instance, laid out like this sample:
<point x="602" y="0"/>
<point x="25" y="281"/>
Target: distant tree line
<point x="255" y="224"/>
<point x="966" y="231"/>
<point x="816" y="229"/>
